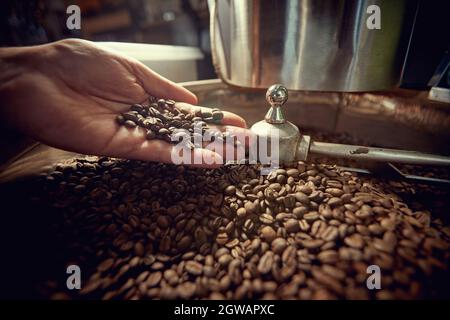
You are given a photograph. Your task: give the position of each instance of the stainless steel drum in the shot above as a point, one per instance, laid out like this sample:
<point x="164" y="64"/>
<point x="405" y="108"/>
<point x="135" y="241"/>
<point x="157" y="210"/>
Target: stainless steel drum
<point x="310" y="44"/>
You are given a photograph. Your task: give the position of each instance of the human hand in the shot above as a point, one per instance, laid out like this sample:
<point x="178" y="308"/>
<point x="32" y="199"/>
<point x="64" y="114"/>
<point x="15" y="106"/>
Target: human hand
<point x="67" y="94"/>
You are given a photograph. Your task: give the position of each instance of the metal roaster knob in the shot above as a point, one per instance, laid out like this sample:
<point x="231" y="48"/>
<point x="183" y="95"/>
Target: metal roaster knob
<point x="276" y="96"/>
<point x="275" y="122"/>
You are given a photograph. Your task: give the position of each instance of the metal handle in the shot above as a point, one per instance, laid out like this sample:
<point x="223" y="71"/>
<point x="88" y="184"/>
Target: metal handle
<point x="377" y="154"/>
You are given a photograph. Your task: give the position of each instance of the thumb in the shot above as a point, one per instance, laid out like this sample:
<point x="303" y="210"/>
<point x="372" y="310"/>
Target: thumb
<point x="160" y="87"/>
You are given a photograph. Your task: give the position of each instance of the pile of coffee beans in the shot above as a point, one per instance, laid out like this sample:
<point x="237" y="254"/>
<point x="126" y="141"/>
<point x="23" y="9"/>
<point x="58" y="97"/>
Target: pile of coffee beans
<point x="162" y="119"/>
<point x="143" y="230"/>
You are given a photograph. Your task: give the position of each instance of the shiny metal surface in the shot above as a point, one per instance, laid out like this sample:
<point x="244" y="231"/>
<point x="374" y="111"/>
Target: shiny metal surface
<point x="276" y="96"/>
<point x="288" y="139"/>
<point x="440" y="81"/>
<point x="377" y="154"/>
<point x="439" y="94"/>
<point x="275" y="123"/>
<point x="309" y="44"/>
<point x="399" y="174"/>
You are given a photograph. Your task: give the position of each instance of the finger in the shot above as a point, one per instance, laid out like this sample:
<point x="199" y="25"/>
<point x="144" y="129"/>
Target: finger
<point x="229" y="118"/>
<point x="231" y="142"/>
<point x="161" y="87"/>
<point x="243" y="135"/>
<point x="196" y="157"/>
<point x="228" y="152"/>
<point x="131" y="144"/>
<point x="162" y="151"/>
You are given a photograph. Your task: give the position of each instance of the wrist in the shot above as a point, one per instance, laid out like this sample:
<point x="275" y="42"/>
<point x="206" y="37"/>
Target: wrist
<point x="14" y="65"/>
<point x="14" y="60"/>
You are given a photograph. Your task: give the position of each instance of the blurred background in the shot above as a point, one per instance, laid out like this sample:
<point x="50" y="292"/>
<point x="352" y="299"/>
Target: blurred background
<point x="162" y="22"/>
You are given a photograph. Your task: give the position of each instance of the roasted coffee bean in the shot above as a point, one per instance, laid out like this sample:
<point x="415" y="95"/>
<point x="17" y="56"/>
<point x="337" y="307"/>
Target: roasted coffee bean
<point x="265" y="263"/>
<point x="278" y="245"/>
<point x="171" y="277"/>
<point x="139" y="249"/>
<point x="312" y="244"/>
<point x="131" y="116"/>
<point x="217" y="115"/>
<point x="334" y="272"/>
<point x="299" y="212"/>
<point x="266" y="218"/>
<point x="206" y="114"/>
<point x="292" y="173"/>
<point x="230" y="190"/>
<point x="383" y="245"/>
<point x="328" y="256"/>
<point x="250" y="207"/>
<point x="330" y="233"/>
<point x="327" y="281"/>
<point x="224" y="260"/>
<point x="311" y="216"/>
<point x="120" y="119"/>
<point x="194" y="268"/>
<point x="129" y="124"/>
<point x="186" y="290"/>
<point x="137" y="107"/>
<point x="305" y="189"/>
<point x="222" y="238"/>
<point x="355" y="241"/>
<point x="105" y="265"/>
<point x="335" y="192"/>
<point x="241" y="213"/>
<point x="317" y="228"/>
<point x="184" y="243"/>
<point x="154" y="279"/>
<point x="302" y="198"/>
<point x="170" y="103"/>
<point x="292" y="225"/>
<point x="268" y="233"/>
<point x="150" y="135"/>
<point x="334" y="202"/>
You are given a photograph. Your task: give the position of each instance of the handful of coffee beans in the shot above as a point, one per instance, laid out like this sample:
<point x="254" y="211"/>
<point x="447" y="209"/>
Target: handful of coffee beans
<point x="161" y="119"/>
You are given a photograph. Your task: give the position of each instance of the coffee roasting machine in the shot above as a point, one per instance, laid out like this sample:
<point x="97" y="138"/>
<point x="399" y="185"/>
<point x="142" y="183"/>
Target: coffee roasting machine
<point x="326" y="46"/>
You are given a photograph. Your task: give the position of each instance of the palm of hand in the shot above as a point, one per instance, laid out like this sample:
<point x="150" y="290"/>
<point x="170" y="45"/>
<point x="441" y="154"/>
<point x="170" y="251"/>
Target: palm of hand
<point x="71" y="97"/>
